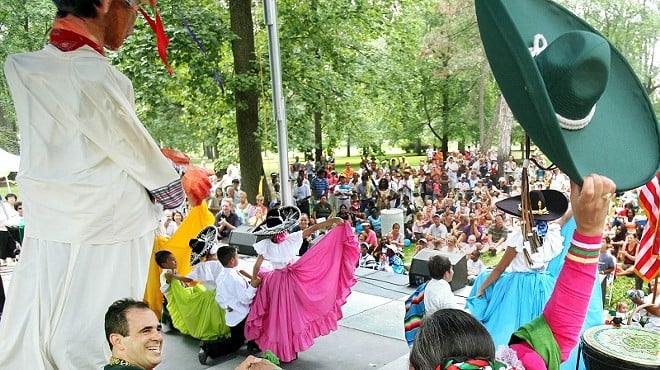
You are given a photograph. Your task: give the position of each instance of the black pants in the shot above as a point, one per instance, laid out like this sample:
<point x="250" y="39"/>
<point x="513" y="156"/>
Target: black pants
<point x="7" y="245"/>
<point x="229" y="345"/>
<point x="2" y="295"/>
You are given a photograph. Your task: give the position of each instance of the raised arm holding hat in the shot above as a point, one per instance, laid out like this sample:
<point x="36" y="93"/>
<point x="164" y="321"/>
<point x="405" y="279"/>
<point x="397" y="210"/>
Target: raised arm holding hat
<point x="88" y="171"/>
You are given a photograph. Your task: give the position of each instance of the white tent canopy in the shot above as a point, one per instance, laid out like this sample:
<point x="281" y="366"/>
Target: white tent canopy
<point x="8" y="162"/>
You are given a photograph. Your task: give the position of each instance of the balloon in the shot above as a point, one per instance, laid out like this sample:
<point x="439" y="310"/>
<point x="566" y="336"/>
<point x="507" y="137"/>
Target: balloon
<point x="406" y="242"/>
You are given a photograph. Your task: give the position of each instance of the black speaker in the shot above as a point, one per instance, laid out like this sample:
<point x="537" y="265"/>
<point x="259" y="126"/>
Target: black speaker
<point x="243" y="239"/>
<point x="419" y="270"/>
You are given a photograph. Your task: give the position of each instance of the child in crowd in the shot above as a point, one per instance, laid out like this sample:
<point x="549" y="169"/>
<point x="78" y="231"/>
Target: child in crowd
<point x="474" y="266"/>
<point x="234" y="294"/>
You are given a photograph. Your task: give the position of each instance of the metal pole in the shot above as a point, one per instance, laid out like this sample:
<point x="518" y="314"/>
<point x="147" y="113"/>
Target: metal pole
<point x="279" y="110"/>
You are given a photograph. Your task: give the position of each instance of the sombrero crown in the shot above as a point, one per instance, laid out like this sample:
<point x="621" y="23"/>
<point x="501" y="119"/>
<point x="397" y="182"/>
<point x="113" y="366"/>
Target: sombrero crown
<point x="571" y="90"/>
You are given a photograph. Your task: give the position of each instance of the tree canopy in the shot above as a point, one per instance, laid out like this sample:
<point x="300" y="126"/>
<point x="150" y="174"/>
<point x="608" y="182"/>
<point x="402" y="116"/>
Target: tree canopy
<point x="357" y="73"/>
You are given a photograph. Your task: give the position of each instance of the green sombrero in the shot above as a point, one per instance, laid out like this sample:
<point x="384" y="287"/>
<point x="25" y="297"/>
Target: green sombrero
<point x="578" y="99"/>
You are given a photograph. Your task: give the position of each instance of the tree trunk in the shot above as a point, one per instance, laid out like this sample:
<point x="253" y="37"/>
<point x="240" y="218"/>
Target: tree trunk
<point x="246" y="96"/>
<point x="318" y="137"/>
<point x="483" y="141"/>
<point x="348" y="145"/>
<point x="503" y="118"/>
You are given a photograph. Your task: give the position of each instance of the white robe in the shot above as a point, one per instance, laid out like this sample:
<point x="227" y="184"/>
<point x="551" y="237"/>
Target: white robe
<point x="86" y="161"/>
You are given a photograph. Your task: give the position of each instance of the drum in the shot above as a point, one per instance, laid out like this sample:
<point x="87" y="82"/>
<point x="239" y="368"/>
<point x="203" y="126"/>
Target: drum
<point x="389" y="217"/>
<point x="624" y="348"/>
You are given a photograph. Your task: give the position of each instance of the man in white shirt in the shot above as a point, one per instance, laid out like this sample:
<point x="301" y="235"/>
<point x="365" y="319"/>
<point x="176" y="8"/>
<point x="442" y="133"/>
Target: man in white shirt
<point x="438" y="294"/>
<point x="437" y="230"/>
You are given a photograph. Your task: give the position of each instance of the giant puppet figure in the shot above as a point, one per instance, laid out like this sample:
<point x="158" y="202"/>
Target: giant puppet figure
<point x="88" y="173"/>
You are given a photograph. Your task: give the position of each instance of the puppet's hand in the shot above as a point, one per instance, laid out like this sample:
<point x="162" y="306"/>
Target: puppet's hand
<point x="196" y="184"/>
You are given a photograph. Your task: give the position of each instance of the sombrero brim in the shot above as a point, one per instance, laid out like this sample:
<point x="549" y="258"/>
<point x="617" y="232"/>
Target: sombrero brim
<point x="202" y="244"/>
<point x="624" y="115"/>
<point x="290" y="216"/>
<point x="555" y="202"/>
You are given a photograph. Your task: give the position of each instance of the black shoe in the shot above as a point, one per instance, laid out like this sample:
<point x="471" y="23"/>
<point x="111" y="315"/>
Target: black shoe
<point x="202" y="356"/>
<point x="253" y="348"/>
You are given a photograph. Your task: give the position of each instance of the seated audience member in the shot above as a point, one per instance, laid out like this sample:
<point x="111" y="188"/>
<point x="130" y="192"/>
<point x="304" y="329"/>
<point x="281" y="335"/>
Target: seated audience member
<point x="376" y="220"/>
<point x="258" y="217"/>
<point x="226" y="220"/>
<point x="395" y="236"/>
<point x="439" y="244"/>
<point x="322" y="210"/>
<point x="606" y="261"/>
<point x="372" y="238"/>
<point x="649" y="316"/>
<point x="134" y="335"/>
<point x="474" y="266"/>
<point x="366" y="259"/>
<point x="391" y="261"/>
<point x="437" y="230"/>
<point x="497" y="234"/>
<point x="452" y="245"/>
<point x="438" y="294"/>
<point x="470" y="245"/>
<point x="420" y="244"/>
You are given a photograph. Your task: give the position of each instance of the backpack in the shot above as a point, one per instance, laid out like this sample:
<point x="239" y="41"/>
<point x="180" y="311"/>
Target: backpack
<point x="415" y="311"/>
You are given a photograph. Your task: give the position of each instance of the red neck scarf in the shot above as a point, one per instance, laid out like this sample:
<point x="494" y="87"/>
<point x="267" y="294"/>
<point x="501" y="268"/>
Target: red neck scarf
<point x="66" y="40"/>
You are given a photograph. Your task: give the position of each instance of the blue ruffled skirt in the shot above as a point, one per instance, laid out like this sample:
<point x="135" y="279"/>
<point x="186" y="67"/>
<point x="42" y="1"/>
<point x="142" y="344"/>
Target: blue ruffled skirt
<point x="513" y="300"/>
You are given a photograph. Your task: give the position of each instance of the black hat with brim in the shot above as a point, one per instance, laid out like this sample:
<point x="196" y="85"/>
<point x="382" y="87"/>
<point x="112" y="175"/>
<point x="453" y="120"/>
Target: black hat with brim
<point x="278" y="220"/>
<point x="546" y="205"/>
<point x="202" y="244"/>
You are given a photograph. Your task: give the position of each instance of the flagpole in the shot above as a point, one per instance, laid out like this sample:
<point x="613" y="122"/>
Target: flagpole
<point x="279" y="110"/>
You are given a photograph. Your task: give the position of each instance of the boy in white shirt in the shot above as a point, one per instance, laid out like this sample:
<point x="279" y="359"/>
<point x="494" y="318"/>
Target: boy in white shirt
<point x="234" y="294"/>
<point x="438" y="294"/>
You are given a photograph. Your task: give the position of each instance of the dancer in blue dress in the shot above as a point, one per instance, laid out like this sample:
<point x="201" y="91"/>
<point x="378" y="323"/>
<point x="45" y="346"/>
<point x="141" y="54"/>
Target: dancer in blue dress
<point x="516" y="290"/>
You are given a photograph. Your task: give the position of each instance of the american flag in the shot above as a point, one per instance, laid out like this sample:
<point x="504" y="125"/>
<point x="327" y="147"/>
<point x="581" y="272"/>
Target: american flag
<point x="647" y="264"/>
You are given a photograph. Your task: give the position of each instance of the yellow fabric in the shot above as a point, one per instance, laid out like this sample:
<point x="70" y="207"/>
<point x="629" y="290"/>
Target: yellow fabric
<point x="152" y="294"/>
<point x="198" y="218"/>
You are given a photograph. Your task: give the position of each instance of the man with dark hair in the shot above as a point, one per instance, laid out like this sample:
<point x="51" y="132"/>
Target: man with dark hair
<point x="438" y="294"/>
<point x="134" y="335"/>
<point x="89" y="174"/>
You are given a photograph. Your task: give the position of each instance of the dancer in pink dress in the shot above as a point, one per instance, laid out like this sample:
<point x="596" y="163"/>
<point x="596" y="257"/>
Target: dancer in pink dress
<point x="300" y="299"/>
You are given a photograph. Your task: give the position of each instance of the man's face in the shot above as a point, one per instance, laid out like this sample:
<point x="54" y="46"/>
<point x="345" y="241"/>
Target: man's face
<point x="144" y="342"/>
<point x="119" y="22"/>
<point x="10" y="200"/>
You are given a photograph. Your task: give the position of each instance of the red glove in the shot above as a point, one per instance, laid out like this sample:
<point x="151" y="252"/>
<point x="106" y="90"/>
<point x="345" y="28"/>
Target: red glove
<point x="196" y="184"/>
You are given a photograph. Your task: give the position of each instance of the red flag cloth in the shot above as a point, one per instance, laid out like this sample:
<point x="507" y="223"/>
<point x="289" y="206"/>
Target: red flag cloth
<point x="647" y="264"/>
<point x="161" y="38"/>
